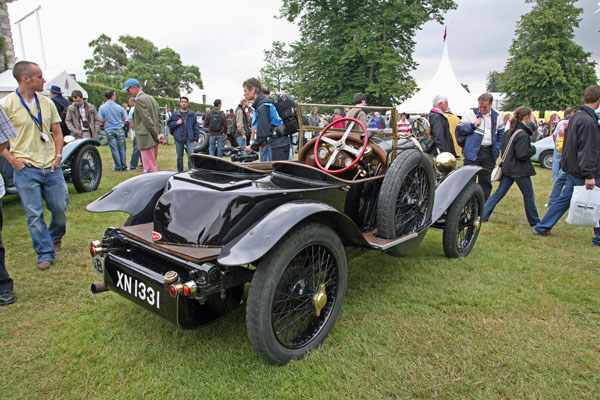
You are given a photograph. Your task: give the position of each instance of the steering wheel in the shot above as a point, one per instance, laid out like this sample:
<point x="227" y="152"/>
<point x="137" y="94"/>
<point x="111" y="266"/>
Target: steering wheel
<point x="340" y="145"/>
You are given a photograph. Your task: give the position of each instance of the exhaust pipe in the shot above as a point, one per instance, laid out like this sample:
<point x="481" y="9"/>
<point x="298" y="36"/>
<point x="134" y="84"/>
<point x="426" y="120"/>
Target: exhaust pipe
<point x="98" y="287"/>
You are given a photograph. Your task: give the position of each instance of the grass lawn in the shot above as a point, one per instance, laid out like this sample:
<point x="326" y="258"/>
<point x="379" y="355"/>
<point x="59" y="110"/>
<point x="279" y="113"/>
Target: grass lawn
<point x="518" y="318"/>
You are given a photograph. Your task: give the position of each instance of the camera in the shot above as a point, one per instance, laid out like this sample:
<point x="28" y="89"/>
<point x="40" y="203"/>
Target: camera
<point x="85" y="124"/>
<point x="244" y="157"/>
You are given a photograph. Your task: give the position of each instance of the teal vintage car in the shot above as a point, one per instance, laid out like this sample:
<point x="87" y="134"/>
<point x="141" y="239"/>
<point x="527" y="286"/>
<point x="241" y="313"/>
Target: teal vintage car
<point x="81" y="165"/>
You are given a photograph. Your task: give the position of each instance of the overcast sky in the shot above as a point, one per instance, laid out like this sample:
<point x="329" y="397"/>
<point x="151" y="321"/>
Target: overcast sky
<point x="226" y="39"/>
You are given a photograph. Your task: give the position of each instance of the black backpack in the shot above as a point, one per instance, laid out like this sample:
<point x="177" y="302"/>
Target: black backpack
<point x="215" y="124"/>
<point x="286" y="108"/>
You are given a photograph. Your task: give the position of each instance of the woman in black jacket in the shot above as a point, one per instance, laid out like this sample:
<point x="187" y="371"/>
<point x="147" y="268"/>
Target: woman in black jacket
<point x="516" y="166"/>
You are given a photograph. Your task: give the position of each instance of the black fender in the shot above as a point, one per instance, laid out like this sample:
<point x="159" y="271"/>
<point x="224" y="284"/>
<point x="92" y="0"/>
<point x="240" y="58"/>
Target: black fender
<point x="450" y="187"/>
<point x="256" y="241"/>
<point x="70" y="148"/>
<point x="136" y="196"/>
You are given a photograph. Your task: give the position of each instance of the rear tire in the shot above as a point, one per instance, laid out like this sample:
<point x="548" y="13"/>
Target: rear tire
<point x="405" y="200"/>
<point x="463" y="221"/>
<point x="305" y="271"/>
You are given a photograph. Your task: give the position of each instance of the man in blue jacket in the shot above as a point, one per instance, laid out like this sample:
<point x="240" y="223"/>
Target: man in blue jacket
<point x="280" y="145"/>
<point x="184" y="127"/>
<point x="479" y="133"/>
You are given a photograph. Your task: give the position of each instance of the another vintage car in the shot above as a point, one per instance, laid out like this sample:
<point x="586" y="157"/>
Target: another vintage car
<point x="194" y="239"/>
<point x="81" y="165"/>
<point x="544" y="152"/>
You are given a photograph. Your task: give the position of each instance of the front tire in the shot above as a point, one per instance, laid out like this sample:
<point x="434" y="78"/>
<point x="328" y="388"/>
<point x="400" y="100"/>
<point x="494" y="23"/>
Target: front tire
<point x="305" y="274"/>
<point x="546" y="159"/>
<point x="227" y="142"/>
<point x="86" y="169"/>
<point x="463" y="221"/>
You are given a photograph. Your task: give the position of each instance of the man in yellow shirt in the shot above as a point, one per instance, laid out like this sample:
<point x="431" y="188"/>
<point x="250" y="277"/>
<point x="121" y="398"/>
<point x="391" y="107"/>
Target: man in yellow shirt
<point x="36" y="156"/>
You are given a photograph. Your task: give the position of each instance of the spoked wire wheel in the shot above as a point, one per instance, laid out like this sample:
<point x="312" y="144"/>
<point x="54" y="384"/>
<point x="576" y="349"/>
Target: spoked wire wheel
<point x="463" y="221"/>
<point x="296" y="294"/>
<point x="406" y="197"/>
<point x="86" y="169"/>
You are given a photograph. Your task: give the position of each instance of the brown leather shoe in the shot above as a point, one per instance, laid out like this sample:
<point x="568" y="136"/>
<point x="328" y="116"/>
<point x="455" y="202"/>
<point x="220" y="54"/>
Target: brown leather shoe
<point x="549" y="233"/>
<point x="42" y="265"/>
<point x="56" y="246"/>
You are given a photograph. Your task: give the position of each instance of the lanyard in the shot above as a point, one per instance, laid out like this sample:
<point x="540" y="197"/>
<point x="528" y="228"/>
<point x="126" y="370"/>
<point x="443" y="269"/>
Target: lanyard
<point x="38" y="120"/>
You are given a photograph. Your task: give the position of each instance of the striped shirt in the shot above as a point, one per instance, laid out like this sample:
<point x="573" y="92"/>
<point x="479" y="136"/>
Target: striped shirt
<point x="403" y="127"/>
<point x="7" y="132"/>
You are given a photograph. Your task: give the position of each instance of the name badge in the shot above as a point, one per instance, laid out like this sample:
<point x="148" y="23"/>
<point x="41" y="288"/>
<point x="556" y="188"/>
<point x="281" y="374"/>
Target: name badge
<point x="45" y="137"/>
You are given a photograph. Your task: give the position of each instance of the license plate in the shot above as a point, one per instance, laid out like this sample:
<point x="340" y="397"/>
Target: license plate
<point x="98" y="264"/>
<point x="138" y="289"/>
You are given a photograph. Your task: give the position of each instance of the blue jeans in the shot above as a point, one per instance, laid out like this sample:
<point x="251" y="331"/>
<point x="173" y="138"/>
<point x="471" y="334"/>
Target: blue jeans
<point x="189" y="148"/>
<point x="35" y="186"/>
<point x="561" y="205"/>
<point x="559" y="184"/>
<point x="135" y="155"/>
<point x="526" y="188"/>
<point x="265" y="153"/>
<point x="116" y="142"/>
<point x="215" y="145"/>
<point x="556" y="156"/>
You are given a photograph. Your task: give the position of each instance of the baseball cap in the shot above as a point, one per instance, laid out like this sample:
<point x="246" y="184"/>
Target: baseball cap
<point x="129" y="83"/>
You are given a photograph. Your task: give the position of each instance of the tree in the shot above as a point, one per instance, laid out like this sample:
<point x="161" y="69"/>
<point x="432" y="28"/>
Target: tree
<point x="160" y="72"/>
<point x="466" y="87"/>
<point x="350" y="46"/>
<point x="493" y="82"/>
<point x="276" y="72"/>
<point x="546" y="69"/>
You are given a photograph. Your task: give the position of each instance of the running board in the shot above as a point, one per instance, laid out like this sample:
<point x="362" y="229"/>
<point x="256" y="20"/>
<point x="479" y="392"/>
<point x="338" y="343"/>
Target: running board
<point x="384" y="244"/>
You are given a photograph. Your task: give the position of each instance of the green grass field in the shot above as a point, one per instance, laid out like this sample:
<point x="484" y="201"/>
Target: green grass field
<point x="518" y="318"/>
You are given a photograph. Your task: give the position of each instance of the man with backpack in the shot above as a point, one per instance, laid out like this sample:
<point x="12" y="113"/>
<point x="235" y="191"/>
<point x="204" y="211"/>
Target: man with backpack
<point x="216" y="122"/>
<point x="267" y="119"/>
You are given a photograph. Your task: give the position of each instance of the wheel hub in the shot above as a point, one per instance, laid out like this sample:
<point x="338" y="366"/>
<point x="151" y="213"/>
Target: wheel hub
<point x="320" y="299"/>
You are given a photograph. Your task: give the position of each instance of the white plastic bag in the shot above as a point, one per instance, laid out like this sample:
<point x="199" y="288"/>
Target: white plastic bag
<point x="585" y="207"/>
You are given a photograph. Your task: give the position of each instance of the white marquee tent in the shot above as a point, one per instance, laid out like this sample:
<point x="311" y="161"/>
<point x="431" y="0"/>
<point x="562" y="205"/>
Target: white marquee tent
<point x="62" y="79"/>
<point x="444" y="83"/>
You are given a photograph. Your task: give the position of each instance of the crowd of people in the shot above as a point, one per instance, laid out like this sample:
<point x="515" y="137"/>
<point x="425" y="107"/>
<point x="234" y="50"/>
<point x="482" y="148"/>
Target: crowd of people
<point x="485" y="141"/>
<point x="35" y="126"/>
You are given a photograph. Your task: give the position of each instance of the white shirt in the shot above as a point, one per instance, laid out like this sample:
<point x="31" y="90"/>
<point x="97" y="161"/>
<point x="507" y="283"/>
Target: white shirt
<point x="487" y="129"/>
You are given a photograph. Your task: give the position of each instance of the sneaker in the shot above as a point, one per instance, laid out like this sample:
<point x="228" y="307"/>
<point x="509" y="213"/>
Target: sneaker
<point x="6" y="298"/>
<point x="56" y="246"/>
<point x="42" y="265"/>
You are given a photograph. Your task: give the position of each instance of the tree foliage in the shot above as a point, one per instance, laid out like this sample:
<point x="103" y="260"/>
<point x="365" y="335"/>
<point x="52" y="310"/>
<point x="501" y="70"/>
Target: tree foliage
<point x="350" y="46"/>
<point x="276" y="72"/>
<point x="547" y="70"/>
<point x="493" y="81"/>
<point x="161" y="72"/>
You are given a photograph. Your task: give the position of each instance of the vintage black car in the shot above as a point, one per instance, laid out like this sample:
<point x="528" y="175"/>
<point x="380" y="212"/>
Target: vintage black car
<point x="194" y="239"/>
<point x="81" y="165"/>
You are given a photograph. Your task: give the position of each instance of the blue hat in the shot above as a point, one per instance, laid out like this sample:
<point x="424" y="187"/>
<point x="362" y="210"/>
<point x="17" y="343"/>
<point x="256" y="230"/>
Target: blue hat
<point x="55" y="89"/>
<point x="129" y="83"/>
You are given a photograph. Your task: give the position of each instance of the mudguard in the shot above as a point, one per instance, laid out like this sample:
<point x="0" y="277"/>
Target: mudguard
<point x="256" y="241"/>
<point x="451" y="187"/>
<point x="136" y="196"/>
<point x="70" y="148"/>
